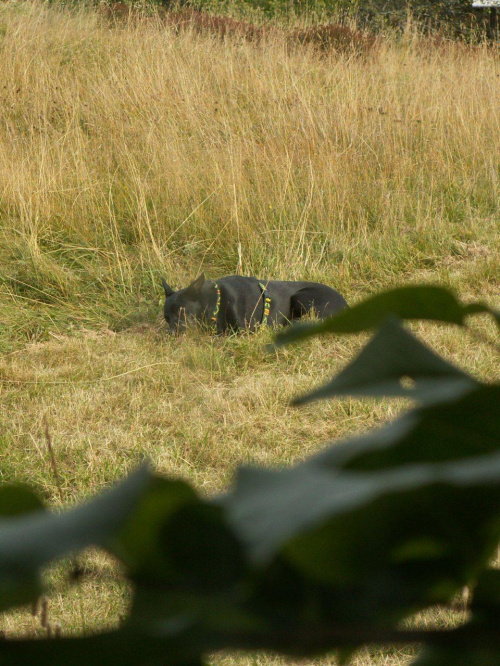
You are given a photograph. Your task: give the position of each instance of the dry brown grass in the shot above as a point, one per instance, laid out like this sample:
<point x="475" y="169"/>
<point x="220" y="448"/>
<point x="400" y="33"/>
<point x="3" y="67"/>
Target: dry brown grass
<point x="130" y="150"/>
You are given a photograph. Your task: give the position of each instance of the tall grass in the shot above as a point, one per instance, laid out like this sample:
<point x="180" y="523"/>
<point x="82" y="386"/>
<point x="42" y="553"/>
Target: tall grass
<point x="128" y="150"/>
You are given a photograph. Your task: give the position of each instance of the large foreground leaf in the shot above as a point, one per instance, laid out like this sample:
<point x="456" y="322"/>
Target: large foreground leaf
<point x="330" y="554"/>
<point x="395" y="363"/>
<point x="462" y="428"/>
<point x="32" y="540"/>
<point x="118" y="648"/>
<point x="413" y="302"/>
<point x="139" y="543"/>
<point x="270" y="508"/>
<point x="16" y="500"/>
<point x="464" y="653"/>
<point x="380" y="545"/>
<point x="477" y="643"/>
<point x="391" y="534"/>
<point x="18" y="587"/>
<point x="191" y="574"/>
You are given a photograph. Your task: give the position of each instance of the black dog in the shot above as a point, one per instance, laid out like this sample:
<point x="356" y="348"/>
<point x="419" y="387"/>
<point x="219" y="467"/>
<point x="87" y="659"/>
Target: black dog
<point x="237" y="302"/>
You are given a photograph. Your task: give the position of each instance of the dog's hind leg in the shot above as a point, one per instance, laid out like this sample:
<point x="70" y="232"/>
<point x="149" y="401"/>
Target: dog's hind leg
<point x="322" y="302"/>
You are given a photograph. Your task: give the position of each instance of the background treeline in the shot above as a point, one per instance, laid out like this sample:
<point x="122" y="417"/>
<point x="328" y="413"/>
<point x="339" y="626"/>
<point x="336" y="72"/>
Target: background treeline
<point x="455" y="16"/>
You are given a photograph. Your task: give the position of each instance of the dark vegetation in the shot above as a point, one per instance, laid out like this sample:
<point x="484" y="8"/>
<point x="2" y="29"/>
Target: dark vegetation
<point x="330" y="25"/>
<point x="453" y="17"/>
<point x="325" y="36"/>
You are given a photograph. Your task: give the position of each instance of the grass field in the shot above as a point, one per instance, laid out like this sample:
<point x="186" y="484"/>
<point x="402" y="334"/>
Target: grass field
<point x="129" y="151"/>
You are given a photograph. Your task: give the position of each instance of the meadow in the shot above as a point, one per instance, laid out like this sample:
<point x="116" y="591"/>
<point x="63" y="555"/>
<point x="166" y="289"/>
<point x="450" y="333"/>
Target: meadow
<point x="131" y="150"/>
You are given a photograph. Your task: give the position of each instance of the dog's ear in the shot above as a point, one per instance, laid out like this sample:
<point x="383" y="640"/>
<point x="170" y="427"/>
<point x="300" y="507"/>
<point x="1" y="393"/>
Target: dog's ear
<point x="195" y="287"/>
<point x="168" y="290"/>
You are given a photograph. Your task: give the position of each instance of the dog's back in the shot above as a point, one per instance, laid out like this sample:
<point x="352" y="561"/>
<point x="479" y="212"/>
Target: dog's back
<point x="304" y="297"/>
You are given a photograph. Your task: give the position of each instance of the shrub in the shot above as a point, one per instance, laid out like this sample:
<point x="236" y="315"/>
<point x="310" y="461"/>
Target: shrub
<point x="333" y="37"/>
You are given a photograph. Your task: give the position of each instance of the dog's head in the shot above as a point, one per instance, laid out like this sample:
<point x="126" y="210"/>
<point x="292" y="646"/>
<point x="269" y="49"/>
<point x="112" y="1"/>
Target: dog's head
<point x="185" y="307"/>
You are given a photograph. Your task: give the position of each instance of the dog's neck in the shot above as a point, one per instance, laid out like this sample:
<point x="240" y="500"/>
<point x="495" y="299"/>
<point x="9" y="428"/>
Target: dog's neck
<point x="215" y="312"/>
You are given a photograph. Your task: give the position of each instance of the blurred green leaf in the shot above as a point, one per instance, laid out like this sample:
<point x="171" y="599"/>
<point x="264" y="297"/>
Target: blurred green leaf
<point x="395" y="363"/>
<point x="460" y="655"/>
<point x="16" y="500"/>
<point x="178" y="539"/>
<point x="193" y="574"/>
<point x="476" y="642"/>
<point x="269" y="508"/>
<point x="393" y="541"/>
<point x="486" y="596"/>
<point x="462" y="428"/>
<point x="138" y="544"/>
<point x="413" y="302"/>
<point x="122" y="647"/>
<point x="394" y="521"/>
<point x="29" y="541"/>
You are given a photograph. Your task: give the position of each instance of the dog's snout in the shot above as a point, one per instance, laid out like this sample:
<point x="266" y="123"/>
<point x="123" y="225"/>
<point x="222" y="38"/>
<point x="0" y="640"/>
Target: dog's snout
<point x="177" y="324"/>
